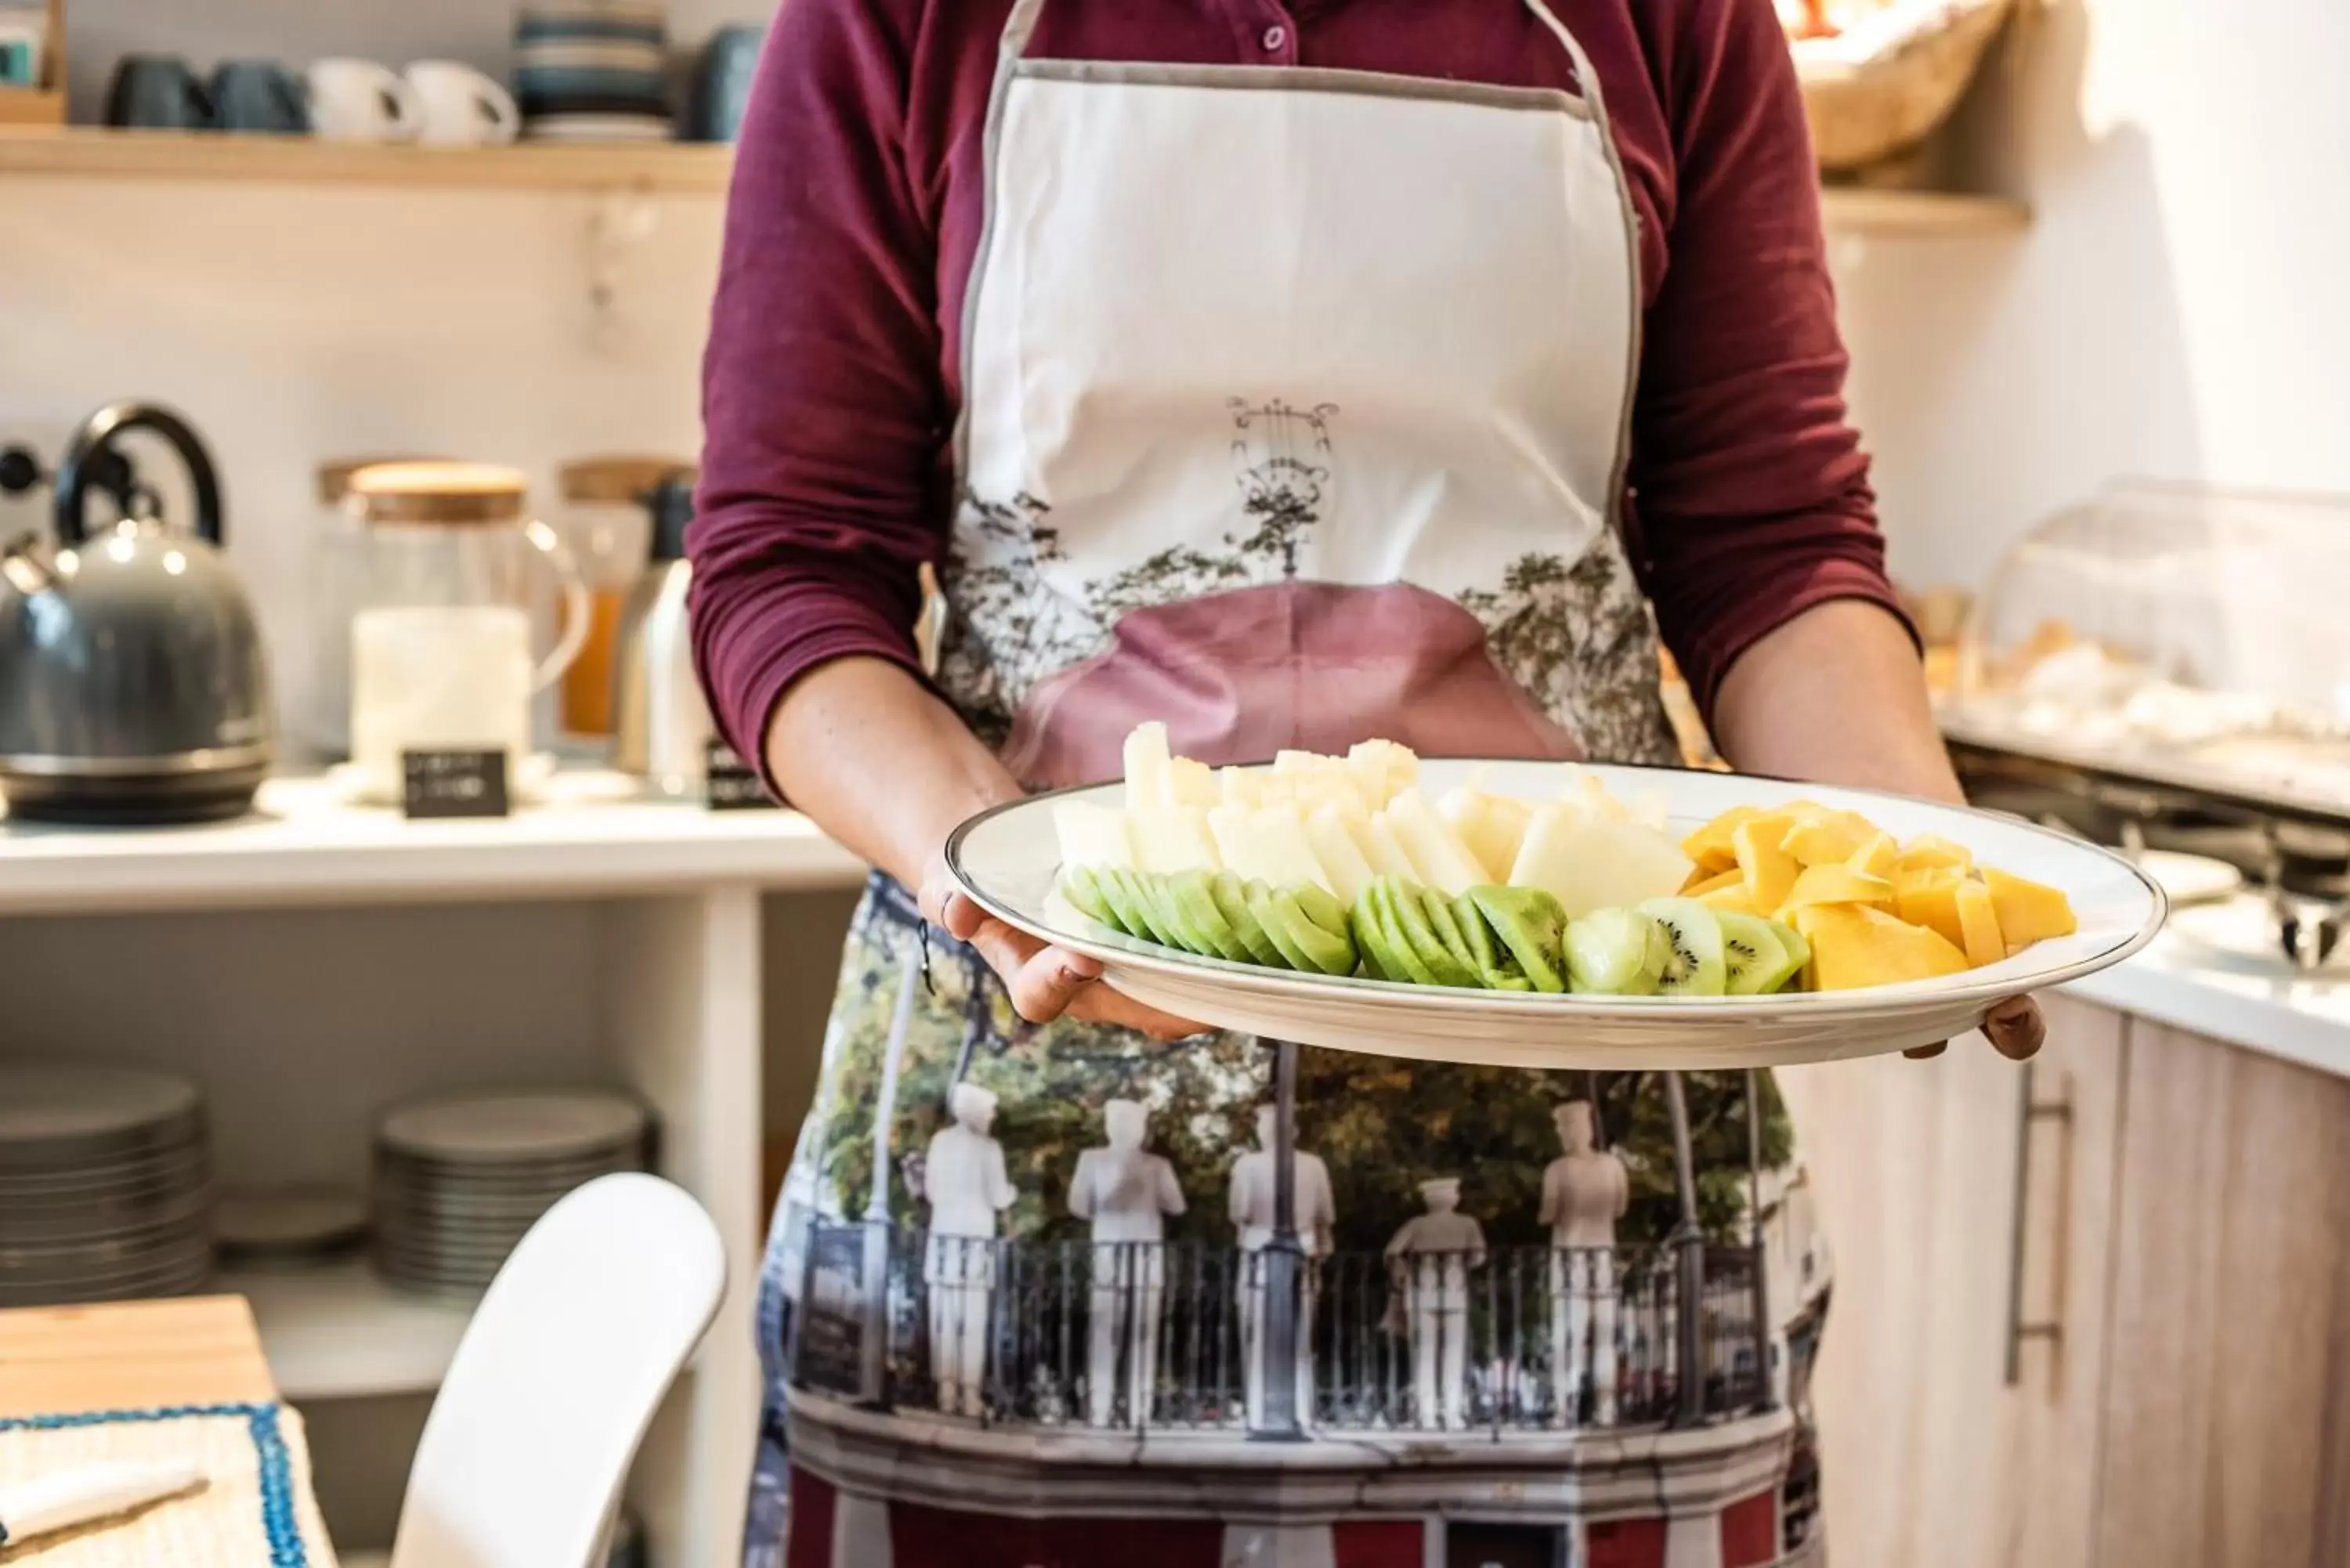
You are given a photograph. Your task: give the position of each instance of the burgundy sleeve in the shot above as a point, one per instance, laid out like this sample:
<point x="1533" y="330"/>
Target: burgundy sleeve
<point x="1750" y="489"/>
<point x="822" y="406"/>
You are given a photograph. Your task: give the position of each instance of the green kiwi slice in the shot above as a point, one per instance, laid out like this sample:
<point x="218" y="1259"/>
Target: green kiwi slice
<point x="1325" y="951"/>
<point x="1379" y="935"/>
<point x="1531" y="924"/>
<point x="1696" y="967"/>
<point x="1614" y="952"/>
<point x="1230" y="895"/>
<point x="1408" y="915"/>
<point x="1753" y="958"/>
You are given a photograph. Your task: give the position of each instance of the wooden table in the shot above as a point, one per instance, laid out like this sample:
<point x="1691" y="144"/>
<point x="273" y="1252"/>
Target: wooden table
<point x="128" y="1355"/>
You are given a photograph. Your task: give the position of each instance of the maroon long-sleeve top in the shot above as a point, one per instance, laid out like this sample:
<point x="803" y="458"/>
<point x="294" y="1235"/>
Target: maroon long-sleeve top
<point x="833" y="379"/>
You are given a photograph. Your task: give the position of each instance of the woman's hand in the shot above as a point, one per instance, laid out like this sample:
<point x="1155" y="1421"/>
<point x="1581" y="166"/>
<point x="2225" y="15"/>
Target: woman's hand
<point x="2015" y="1028"/>
<point x="1045" y="982"/>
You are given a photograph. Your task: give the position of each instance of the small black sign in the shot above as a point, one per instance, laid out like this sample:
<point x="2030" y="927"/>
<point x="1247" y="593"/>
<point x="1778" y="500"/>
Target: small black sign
<point x="730" y="785"/>
<point x="454" y="783"/>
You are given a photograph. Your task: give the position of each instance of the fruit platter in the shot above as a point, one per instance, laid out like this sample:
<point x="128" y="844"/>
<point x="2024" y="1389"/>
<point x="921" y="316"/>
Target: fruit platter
<point x="1545" y="914"/>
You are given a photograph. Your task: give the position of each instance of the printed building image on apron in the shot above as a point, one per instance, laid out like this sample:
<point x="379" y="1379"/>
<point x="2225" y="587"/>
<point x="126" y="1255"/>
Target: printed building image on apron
<point x="1253" y="444"/>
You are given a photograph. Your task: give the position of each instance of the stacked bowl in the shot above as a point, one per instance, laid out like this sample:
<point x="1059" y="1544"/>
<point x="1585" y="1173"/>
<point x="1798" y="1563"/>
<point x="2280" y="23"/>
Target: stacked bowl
<point x="593" y="70"/>
<point x="105" y="1184"/>
<point x="459" y="1177"/>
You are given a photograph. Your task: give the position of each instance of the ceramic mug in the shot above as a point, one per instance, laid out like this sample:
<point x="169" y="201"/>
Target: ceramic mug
<point x="359" y="100"/>
<point x="259" y="96"/>
<point x="157" y="92"/>
<point x="459" y="107"/>
<point x="722" y="83"/>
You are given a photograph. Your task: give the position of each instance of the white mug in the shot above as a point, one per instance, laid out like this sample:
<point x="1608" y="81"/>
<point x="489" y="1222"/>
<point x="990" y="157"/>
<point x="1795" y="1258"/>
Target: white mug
<point x="459" y="107"/>
<point x="359" y="100"/>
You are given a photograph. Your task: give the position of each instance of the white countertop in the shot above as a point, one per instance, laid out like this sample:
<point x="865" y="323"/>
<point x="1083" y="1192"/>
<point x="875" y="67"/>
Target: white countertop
<point x="305" y="845"/>
<point x="2299" y="1018"/>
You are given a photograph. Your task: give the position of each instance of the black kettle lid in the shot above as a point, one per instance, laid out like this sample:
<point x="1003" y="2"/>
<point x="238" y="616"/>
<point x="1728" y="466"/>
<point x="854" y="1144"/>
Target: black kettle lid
<point x="672" y="504"/>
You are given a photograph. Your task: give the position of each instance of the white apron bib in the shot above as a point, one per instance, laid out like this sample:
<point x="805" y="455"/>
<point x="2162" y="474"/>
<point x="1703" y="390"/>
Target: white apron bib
<point x="1295" y="409"/>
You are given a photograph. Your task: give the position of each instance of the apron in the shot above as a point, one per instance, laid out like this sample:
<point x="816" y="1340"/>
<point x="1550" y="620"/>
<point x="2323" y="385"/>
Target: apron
<point x="1257" y="441"/>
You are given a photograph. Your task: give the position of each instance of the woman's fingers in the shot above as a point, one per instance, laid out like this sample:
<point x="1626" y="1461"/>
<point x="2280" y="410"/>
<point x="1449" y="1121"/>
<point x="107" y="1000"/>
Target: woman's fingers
<point x="1046" y="982"/>
<point x="2015" y="1028"/>
<point x="1926" y="1053"/>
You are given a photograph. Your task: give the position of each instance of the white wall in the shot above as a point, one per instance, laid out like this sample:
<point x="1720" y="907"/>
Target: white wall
<point x="2178" y="309"/>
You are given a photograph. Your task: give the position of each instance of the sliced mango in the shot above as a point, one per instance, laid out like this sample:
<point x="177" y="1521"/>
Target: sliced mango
<point x="1700" y="884"/>
<point x="1831" y="838"/>
<point x="1855" y="946"/>
<point x="1710" y="845"/>
<point x="1834" y="885"/>
<point x="1980" y="935"/>
<point x="1769" y="871"/>
<point x="1732" y="899"/>
<point x="1929" y="849"/>
<point x="2029" y="911"/>
<point x="1878" y="857"/>
<point x="1931" y="899"/>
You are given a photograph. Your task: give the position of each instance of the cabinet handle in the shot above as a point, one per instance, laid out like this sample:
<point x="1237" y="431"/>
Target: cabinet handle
<point x="2028" y="1111"/>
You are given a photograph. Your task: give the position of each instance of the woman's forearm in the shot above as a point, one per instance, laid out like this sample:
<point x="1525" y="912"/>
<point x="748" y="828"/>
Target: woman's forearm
<point x="880" y="764"/>
<point x="1836" y="694"/>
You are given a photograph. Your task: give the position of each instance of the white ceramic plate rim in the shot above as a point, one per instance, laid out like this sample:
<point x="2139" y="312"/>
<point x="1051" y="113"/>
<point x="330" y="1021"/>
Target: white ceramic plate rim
<point x="2017" y="976"/>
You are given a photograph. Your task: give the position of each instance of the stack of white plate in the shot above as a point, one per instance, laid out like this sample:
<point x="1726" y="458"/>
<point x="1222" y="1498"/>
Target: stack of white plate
<point x="459" y="1177"/>
<point x="105" y="1184"/>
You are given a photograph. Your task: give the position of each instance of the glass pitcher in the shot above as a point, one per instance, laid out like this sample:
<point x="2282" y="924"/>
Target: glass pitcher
<point x="440" y="638"/>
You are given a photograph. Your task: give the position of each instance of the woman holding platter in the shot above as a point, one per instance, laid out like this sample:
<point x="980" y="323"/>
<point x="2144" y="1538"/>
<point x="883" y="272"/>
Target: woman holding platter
<point x="1295" y="374"/>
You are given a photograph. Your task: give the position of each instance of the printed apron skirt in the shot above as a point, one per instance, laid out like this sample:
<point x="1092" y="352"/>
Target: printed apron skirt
<point x="1331" y="473"/>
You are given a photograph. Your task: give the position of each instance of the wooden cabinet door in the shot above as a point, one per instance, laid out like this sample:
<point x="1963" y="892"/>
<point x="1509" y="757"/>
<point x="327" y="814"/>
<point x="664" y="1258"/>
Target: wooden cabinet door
<point x="1930" y="1458"/>
<point x="2227" y="1427"/>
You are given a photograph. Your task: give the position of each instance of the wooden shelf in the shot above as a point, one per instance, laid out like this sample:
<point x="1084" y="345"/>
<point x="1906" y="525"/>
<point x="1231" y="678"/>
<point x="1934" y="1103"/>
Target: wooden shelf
<point x="684" y="168"/>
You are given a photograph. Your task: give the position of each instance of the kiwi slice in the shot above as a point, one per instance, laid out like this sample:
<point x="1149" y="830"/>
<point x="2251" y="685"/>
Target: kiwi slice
<point x="1449" y="930"/>
<point x="1799" y="951"/>
<point x="1695" y="967"/>
<point x="1409" y="915"/>
<point x="1366" y="940"/>
<point x="1276" y="929"/>
<point x="1321" y="907"/>
<point x="1230" y="895"/>
<point x="1531" y="924"/>
<point x="1123" y="894"/>
<point x="1325" y="951"/>
<point x="1195" y="904"/>
<point x="1614" y="952"/>
<point x="1494" y="962"/>
<point x="1166" y="911"/>
<point x="1083" y="893"/>
<point x="1753" y="955"/>
<point x="1379" y="934"/>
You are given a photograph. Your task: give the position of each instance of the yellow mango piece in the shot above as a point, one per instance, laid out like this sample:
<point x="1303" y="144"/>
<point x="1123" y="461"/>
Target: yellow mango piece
<point x="1855" y="946"/>
<point x="1710" y="845"/>
<point x="1878" y="857"/>
<point x="2029" y="911"/>
<point x="1834" y="885"/>
<point x="1700" y="884"/>
<point x="1931" y="849"/>
<point x="1769" y="871"/>
<point x="1979" y="925"/>
<point x="1932" y="900"/>
<point x="1832" y="838"/>
<point x="1732" y="899"/>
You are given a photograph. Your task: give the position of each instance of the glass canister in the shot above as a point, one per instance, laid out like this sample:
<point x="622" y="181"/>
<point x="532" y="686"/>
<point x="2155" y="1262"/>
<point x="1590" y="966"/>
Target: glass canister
<point x="606" y="525"/>
<point x="441" y="656"/>
<point x="337" y="579"/>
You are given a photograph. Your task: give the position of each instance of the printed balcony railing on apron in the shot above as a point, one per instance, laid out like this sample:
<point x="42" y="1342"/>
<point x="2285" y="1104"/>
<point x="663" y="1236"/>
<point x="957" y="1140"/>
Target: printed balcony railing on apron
<point x="1180" y="1336"/>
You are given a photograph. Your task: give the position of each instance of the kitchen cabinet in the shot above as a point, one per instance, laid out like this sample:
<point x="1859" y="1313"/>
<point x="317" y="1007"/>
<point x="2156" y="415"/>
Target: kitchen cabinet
<point x="2095" y="1315"/>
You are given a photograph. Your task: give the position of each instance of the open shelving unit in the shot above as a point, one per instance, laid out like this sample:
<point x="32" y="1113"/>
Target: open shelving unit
<point x="685" y="169"/>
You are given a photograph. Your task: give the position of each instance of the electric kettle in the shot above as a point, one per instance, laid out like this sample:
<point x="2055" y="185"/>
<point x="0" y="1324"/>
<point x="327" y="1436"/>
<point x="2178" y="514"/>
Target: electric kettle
<point x="133" y="685"/>
<point x="661" y="726"/>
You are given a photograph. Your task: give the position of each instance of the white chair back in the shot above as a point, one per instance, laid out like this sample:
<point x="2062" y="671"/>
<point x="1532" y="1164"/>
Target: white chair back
<point x="557" y="1378"/>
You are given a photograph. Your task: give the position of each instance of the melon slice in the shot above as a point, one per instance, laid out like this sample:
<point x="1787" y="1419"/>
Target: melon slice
<point x="1376" y="840"/>
<point x="1190" y="783"/>
<point x="1979" y="933"/>
<point x="1148" y="767"/>
<point x="1590" y="865"/>
<point x="1854" y="946"/>
<point x="1835" y="884"/>
<point x="1237" y="786"/>
<point x="2029" y="911"/>
<point x="1283" y="857"/>
<point x="1091" y="834"/>
<point x="1172" y="838"/>
<point x="1344" y="869"/>
<point x="1492" y="825"/>
<point x="1442" y="860"/>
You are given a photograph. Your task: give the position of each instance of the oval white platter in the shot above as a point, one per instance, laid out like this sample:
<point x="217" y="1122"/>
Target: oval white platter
<point x="1006" y="859"/>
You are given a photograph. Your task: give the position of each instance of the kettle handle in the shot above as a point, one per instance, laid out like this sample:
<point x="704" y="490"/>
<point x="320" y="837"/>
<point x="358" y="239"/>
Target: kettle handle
<point x="81" y="470"/>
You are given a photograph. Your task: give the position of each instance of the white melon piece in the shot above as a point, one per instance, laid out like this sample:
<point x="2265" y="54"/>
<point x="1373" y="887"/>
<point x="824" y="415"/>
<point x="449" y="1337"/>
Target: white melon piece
<point x="1366" y="761"/>
<point x="1148" y="767"/>
<point x="1464" y="809"/>
<point x="1587" y="864"/>
<point x="1091" y="834"/>
<point x="1492" y="825"/>
<point x="1283" y="857"/>
<point x="1172" y="838"/>
<point x="1403" y="769"/>
<point x="1301" y="764"/>
<point x="1444" y="862"/>
<point x="1233" y="827"/>
<point x="1376" y="840"/>
<point x="1331" y="835"/>
<point x="1332" y="787"/>
<point x="1653" y="808"/>
<point x="1237" y="786"/>
<point x="1190" y="783"/>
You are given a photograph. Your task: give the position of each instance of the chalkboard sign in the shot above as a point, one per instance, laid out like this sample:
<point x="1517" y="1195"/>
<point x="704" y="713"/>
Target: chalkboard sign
<point x="832" y="1315"/>
<point x="454" y="783"/>
<point x="731" y="786"/>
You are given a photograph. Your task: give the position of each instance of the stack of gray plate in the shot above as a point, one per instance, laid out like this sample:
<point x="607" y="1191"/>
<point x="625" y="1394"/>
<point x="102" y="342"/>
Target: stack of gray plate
<point x="105" y="1184"/>
<point x="459" y="1177"/>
